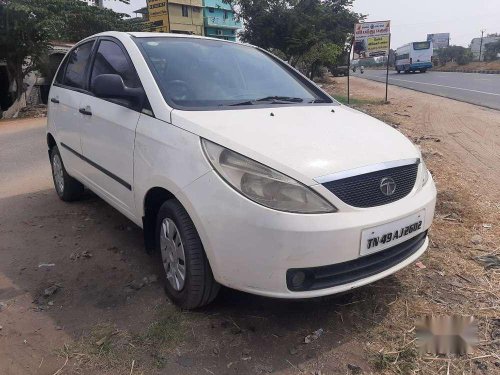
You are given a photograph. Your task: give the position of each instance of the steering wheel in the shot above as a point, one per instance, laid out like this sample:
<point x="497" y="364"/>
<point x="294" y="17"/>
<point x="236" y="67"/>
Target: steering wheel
<point x="178" y="89"/>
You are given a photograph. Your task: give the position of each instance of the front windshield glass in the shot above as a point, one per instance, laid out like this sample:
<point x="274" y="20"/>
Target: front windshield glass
<point x="206" y="73"/>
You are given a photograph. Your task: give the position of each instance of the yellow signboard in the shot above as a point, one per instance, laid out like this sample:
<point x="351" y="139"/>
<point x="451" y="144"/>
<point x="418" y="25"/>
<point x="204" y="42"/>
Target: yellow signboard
<point x="371" y="39"/>
<point x="158" y="15"/>
<point x="378" y="45"/>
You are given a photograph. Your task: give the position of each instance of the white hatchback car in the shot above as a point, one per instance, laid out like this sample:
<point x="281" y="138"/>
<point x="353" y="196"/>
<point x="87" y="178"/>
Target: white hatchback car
<point x="240" y="170"/>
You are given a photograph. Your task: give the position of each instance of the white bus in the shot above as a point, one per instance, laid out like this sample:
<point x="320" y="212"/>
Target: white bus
<point x="414" y="56"/>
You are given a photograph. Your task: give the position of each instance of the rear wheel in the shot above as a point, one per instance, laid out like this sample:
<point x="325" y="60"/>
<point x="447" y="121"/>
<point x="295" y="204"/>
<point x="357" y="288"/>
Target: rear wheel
<point x="188" y="278"/>
<point x="423" y="70"/>
<point x="67" y="188"/>
<point x="399" y="71"/>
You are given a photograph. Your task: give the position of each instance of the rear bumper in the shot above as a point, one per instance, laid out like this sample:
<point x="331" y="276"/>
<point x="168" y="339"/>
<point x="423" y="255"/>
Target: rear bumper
<point x="414" y="66"/>
<point x="251" y="248"/>
<point x="421" y="65"/>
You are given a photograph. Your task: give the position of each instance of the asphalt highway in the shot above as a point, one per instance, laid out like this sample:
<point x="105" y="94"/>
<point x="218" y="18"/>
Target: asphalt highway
<point x="475" y="88"/>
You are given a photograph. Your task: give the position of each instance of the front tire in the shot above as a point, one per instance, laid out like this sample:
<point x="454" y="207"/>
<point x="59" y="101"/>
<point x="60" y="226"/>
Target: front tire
<point x="189" y="282"/>
<point x="67" y="188"/>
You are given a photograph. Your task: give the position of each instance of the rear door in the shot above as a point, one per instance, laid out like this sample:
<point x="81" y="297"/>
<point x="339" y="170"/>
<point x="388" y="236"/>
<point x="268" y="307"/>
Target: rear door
<point x="109" y="128"/>
<point x="65" y="96"/>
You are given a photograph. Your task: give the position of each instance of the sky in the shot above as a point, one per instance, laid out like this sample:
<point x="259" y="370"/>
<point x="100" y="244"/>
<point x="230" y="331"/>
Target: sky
<point x="412" y="20"/>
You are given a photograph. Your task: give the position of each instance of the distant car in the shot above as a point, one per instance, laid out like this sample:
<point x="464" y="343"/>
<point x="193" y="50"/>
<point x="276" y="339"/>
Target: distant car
<point x="338" y="71"/>
<point x="240" y="170"/>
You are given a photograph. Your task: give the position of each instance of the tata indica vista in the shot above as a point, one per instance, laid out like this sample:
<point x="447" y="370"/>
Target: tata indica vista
<point x="240" y="170"/>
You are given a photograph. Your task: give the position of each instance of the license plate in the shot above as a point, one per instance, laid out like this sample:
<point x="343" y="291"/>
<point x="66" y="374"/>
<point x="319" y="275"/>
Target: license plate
<point x="386" y="235"/>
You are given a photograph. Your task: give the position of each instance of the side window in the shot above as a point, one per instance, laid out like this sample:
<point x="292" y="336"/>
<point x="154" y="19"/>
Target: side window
<point x="77" y="64"/>
<point x="110" y="59"/>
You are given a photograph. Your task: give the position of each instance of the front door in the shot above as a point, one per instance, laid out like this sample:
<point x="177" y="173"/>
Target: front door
<point x="109" y="129"/>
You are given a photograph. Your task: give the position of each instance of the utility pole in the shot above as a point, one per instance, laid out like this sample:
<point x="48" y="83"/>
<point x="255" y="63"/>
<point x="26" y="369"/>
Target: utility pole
<point x="481" y="45"/>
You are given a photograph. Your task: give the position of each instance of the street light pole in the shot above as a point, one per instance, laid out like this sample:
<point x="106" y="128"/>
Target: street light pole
<point x="481" y="45"/>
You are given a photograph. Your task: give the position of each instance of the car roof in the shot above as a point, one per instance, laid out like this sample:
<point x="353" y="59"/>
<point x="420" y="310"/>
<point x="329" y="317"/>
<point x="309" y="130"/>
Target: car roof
<point x="161" y="35"/>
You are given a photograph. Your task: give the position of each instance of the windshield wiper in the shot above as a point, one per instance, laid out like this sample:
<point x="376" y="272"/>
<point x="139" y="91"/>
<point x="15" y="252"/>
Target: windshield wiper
<point x="290" y="99"/>
<point x="275" y="99"/>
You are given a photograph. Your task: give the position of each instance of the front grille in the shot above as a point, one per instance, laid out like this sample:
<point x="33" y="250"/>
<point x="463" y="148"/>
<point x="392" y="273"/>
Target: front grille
<point x="364" y="190"/>
<point x="357" y="269"/>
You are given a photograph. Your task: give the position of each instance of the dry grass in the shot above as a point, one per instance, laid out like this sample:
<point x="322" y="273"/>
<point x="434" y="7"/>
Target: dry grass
<point x="476" y="65"/>
<point x="453" y="282"/>
<point x="107" y="349"/>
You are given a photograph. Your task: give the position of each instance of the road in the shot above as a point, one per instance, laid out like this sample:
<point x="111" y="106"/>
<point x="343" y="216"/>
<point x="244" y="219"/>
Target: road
<point x="24" y="165"/>
<point x="475" y="88"/>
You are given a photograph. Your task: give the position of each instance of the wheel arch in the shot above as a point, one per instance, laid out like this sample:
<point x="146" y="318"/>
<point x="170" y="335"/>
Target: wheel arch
<point x="51" y="142"/>
<point x="151" y="203"/>
<point x="153" y="199"/>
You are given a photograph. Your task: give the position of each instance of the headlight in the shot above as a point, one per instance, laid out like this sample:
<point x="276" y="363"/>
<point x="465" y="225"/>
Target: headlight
<point x="262" y="184"/>
<point x="425" y="173"/>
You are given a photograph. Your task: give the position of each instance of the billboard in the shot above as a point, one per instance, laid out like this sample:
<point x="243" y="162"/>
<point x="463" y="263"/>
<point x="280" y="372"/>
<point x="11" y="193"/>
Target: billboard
<point x="371" y="39"/>
<point x="158" y="16"/>
<point x="441" y="40"/>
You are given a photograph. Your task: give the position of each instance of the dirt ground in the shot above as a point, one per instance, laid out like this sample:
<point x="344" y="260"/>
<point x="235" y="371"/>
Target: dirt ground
<point x="78" y="295"/>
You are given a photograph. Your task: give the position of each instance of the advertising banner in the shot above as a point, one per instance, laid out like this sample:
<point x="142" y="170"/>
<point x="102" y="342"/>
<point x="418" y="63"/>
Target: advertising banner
<point x="441" y="40"/>
<point x="371" y="39"/>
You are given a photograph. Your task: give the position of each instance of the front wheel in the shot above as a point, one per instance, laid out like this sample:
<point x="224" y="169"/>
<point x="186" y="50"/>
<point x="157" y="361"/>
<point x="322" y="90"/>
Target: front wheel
<point x="67" y="188"/>
<point x="188" y="278"/>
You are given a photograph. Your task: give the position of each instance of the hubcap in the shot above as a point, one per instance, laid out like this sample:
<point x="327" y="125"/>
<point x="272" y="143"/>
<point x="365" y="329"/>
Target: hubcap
<point x="58" y="173"/>
<point x="172" y="254"/>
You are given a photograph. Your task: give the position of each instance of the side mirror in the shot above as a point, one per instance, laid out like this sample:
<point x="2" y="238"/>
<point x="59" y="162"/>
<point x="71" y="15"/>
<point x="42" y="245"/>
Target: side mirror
<point x="112" y="86"/>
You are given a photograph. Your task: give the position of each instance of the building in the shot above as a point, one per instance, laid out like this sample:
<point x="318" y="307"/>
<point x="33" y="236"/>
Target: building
<point x="36" y="84"/>
<point x="219" y="19"/>
<point x="186" y="16"/>
<point x="98" y="3"/>
<point x="176" y="16"/>
<point x="475" y="46"/>
<point x="142" y="13"/>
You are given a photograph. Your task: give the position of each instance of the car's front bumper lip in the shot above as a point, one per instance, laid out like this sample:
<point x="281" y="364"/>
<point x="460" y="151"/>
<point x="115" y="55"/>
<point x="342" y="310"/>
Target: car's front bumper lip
<point x="349" y="272"/>
<point x="251" y="247"/>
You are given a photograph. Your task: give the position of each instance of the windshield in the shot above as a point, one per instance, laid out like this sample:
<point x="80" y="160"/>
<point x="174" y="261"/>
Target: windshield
<point x="206" y="73"/>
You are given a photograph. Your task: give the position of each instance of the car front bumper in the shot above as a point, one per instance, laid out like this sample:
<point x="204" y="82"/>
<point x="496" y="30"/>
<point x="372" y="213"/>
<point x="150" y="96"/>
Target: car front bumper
<point x="251" y="247"/>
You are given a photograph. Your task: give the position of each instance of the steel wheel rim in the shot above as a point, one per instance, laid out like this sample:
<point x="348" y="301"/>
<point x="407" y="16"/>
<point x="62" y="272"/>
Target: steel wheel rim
<point x="172" y="254"/>
<point x="58" y="173"/>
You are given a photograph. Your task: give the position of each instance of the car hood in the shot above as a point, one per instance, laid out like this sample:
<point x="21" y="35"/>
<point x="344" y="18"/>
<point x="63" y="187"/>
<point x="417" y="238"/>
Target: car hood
<point x="304" y="142"/>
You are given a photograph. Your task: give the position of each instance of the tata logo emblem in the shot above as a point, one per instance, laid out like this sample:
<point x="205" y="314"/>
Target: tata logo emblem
<point x="387" y="186"/>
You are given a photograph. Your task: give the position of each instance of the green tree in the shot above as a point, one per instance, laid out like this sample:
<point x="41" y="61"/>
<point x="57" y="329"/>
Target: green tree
<point x="28" y="26"/>
<point x="458" y="54"/>
<point x="320" y="54"/>
<point x="20" y="37"/>
<point x="491" y="51"/>
<point x="300" y="29"/>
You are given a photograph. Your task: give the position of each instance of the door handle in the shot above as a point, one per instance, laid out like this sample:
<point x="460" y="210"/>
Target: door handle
<point x="54" y="100"/>
<point x="85" y="112"/>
